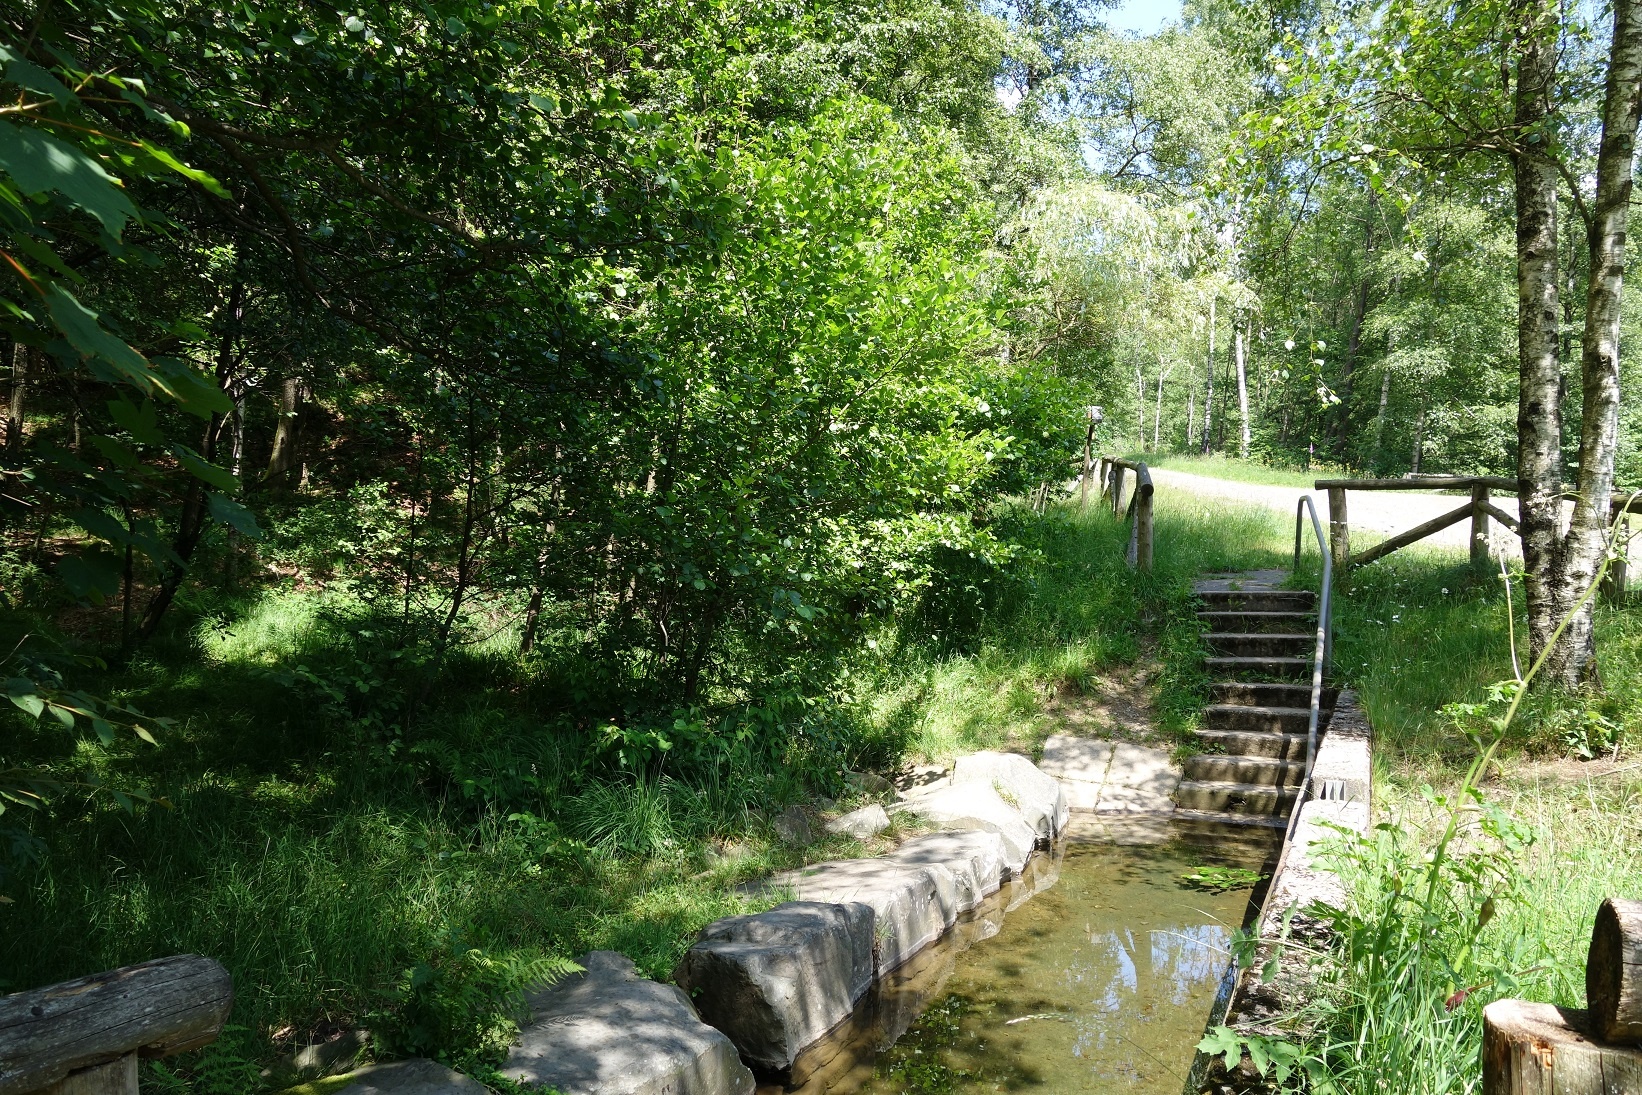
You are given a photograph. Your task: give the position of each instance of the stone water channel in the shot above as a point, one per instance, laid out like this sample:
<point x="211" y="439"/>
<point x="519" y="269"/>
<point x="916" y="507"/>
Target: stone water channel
<point x="1095" y="972"/>
<point x="1021" y="945"/>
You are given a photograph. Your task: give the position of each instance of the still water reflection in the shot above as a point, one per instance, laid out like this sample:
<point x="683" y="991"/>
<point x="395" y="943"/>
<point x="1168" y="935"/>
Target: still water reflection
<point x="1101" y="980"/>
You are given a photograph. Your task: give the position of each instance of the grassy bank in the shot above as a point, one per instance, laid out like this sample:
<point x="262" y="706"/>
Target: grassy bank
<point x="1220" y="466"/>
<point x="1427" y="940"/>
<point x="350" y="871"/>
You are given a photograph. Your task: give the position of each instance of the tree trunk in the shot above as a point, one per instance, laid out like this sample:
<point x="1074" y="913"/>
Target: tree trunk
<point x="1379" y="420"/>
<point x="1191" y="404"/>
<point x="1583" y="549"/>
<point x="1539" y="411"/>
<point x="19" y="393"/>
<point x="1419" y="438"/>
<point x="1140" y="409"/>
<point x="288" y="432"/>
<point x="1157" y="415"/>
<point x="1208" y="382"/>
<point x="1242" y="394"/>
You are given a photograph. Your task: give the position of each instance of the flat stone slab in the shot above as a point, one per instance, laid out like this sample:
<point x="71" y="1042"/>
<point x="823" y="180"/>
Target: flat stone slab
<point x="912" y="905"/>
<point x="1248" y="581"/>
<point x="975" y="858"/>
<point x="1036" y="794"/>
<point x="609" y="1031"/>
<point x="1068" y="757"/>
<point x="777" y="981"/>
<point x="1111" y="777"/>
<point x="416" y="1076"/>
<point x="866" y="822"/>
<point x="1140" y="780"/>
<point x="979" y="806"/>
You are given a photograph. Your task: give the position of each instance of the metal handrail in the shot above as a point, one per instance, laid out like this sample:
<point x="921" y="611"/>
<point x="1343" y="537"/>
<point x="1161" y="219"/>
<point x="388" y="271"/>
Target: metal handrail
<point x="1323" y="651"/>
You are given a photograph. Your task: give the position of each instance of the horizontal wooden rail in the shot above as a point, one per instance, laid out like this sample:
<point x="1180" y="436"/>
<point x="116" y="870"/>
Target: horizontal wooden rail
<point x="1428" y="482"/>
<point x="1418" y="532"/>
<point x="84" y="1036"/>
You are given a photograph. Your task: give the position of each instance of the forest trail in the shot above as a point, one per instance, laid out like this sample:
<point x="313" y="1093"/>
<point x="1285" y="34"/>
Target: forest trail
<point x="1382" y="512"/>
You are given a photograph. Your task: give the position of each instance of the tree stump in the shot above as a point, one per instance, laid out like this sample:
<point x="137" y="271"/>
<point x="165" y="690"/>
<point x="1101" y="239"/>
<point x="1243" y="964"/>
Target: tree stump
<point x="1540" y="1049"/>
<point x="1613" y="972"/>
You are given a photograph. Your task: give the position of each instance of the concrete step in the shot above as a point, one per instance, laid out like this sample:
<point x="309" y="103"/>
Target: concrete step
<point x="1269" y="720"/>
<point x="1268" y="667"/>
<point x="1255" y="771"/>
<point x="1235" y="798"/>
<point x="1216" y="818"/>
<point x="1245" y="644"/>
<point x="1270" y="694"/>
<point x="1251" y="743"/>
<point x="1268" y="600"/>
<point x="1231" y="622"/>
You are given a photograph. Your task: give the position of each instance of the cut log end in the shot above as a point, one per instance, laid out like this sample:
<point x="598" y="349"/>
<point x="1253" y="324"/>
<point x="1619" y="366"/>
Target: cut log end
<point x="1539" y="1049"/>
<point x="1613" y="973"/>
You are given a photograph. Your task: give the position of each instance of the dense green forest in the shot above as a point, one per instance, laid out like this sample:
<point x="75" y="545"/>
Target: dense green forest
<point x="467" y="465"/>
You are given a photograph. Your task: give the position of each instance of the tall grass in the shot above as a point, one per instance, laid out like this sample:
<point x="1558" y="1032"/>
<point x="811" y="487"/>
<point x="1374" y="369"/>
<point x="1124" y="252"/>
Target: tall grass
<point x="1471" y="887"/>
<point x="1074" y="610"/>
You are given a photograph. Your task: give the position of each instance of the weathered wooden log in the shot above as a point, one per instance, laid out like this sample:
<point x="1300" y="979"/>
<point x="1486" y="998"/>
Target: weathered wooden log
<point x="1540" y="1049"/>
<point x="153" y="1009"/>
<point x="1424" y="482"/>
<point x="1143" y="519"/>
<point x="1501" y="516"/>
<point x="1339" y="530"/>
<point x="1418" y="532"/>
<point x="1613" y="972"/>
<point x="115" y="1078"/>
<point x="1479" y="524"/>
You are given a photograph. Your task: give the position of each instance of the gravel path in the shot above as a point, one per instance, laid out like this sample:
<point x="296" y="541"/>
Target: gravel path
<point x="1384" y="512"/>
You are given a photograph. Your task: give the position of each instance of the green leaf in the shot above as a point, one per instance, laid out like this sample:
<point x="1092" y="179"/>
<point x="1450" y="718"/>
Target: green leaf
<point x="25" y="73"/>
<point x="139" y="421"/>
<point x="229" y="512"/>
<point x="204" y="470"/>
<point x="32" y="704"/>
<point x="39" y="162"/>
<point x="63" y="715"/>
<point x="91" y="577"/>
<point x="193" y="174"/>
<point x="81" y="328"/>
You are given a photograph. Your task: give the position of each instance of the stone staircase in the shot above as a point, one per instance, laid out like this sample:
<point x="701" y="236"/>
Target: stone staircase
<point x="1261" y="639"/>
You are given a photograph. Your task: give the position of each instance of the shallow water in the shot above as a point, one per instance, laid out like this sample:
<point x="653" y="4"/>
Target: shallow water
<point x="1099" y="979"/>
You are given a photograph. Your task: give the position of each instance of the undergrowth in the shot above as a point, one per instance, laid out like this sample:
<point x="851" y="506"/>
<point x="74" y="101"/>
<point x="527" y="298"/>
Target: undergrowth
<point x="364" y="841"/>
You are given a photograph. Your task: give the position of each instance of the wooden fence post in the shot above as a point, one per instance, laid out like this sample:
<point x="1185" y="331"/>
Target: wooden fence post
<point x="1479" y="524"/>
<point x="1143" y="518"/>
<point x="1117" y="489"/>
<point x="1339" y="531"/>
<point x="1614" y="584"/>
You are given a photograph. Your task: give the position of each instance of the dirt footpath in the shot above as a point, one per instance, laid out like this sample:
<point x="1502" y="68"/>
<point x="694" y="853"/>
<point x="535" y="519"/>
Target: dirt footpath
<point x="1383" y="512"/>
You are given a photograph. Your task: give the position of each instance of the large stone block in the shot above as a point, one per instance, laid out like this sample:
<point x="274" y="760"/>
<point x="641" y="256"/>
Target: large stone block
<point x="979" y="806"/>
<point x="609" y="1031"/>
<point x="1036" y="794"/>
<point x="912" y="906"/>
<point x="778" y="981"/>
<point x="866" y="822"/>
<point x="974" y="856"/>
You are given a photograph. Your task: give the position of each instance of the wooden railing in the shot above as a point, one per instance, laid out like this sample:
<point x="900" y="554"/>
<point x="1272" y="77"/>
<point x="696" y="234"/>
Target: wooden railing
<point x="1111" y="473"/>
<point x="1539" y="1049"/>
<point x="1479" y="509"/>
<point x="84" y="1037"/>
